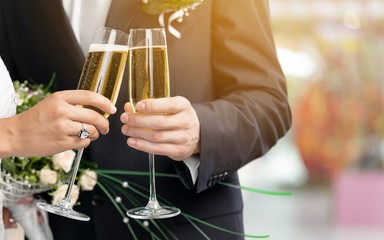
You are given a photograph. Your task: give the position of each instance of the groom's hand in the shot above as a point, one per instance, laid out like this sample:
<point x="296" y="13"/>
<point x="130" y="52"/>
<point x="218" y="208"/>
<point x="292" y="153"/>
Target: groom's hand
<point x="175" y="134"/>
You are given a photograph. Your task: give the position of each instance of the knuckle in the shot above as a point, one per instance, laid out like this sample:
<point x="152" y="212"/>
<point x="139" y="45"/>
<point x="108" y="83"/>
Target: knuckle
<point x="182" y="137"/>
<point x="55" y="95"/>
<point x="181" y="101"/>
<point x="180" y="153"/>
<point x="160" y="122"/>
<point x="58" y="111"/>
<point x="176" y="103"/>
<point x="132" y="119"/>
<point x="157" y="136"/>
<point x="61" y="126"/>
<point x="185" y="124"/>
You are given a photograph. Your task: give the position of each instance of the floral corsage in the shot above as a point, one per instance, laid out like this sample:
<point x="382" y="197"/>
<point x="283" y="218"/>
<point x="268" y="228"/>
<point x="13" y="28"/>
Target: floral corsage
<point x="178" y="9"/>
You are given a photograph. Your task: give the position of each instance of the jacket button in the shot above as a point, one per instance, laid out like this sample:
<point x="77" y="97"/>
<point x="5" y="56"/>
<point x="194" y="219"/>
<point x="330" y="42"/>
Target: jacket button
<point x="212" y="181"/>
<point x="98" y="200"/>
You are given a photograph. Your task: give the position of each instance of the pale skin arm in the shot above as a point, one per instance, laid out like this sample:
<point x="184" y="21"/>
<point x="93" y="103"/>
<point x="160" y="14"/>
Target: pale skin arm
<point x="175" y="134"/>
<point x="53" y="124"/>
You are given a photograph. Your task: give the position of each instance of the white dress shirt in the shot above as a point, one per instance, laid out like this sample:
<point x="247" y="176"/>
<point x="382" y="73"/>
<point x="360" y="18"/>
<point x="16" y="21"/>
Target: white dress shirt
<point x="85" y="16"/>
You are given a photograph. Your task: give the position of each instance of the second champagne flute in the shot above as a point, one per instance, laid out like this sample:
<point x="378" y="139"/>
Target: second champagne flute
<point x="102" y="73"/>
<point x="149" y="78"/>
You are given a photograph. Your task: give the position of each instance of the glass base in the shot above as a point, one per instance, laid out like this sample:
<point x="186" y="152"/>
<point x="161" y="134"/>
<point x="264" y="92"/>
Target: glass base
<point x="153" y="213"/>
<point x="69" y="213"/>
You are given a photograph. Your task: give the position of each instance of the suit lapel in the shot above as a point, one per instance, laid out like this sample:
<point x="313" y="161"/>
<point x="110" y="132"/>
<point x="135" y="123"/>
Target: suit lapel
<point x="53" y="11"/>
<point x="118" y="12"/>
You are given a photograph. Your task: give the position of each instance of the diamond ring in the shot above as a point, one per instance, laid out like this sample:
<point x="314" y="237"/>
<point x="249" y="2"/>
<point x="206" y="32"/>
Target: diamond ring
<point x="83" y="132"/>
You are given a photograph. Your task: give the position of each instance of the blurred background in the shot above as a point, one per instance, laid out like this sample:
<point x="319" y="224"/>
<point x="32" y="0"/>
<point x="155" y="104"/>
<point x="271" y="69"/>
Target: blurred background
<point x="332" y="52"/>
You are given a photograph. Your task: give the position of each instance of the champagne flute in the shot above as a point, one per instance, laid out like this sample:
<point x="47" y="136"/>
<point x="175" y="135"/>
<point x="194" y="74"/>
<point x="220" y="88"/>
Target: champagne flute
<point x="149" y="78"/>
<point x="102" y="73"/>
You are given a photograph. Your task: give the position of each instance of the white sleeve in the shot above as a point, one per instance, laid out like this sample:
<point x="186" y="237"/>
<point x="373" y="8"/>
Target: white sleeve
<point x="193" y="164"/>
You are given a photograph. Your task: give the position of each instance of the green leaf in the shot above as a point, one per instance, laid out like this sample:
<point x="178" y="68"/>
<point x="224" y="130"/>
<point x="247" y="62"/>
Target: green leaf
<point x="8" y="165"/>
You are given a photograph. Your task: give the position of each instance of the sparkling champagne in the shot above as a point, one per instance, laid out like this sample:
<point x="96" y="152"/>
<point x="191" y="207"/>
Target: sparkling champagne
<point x="103" y="71"/>
<point x="148" y="79"/>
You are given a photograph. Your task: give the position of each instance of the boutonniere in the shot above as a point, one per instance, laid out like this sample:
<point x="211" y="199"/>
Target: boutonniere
<point x="177" y="8"/>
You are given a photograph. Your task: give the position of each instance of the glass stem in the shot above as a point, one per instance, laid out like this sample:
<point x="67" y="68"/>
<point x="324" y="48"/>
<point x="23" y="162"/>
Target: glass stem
<point x="73" y="175"/>
<point x="152" y="203"/>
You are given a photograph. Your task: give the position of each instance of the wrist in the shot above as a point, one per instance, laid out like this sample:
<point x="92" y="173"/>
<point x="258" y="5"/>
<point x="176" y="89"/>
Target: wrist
<point x="6" y="144"/>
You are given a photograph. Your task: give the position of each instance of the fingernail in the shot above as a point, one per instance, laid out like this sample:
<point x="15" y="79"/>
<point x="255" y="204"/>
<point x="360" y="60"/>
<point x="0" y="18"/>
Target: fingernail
<point x="113" y="108"/>
<point x="140" y="106"/>
<point x="124" y="118"/>
<point x="124" y="130"/>
<point x="132" y="142"/>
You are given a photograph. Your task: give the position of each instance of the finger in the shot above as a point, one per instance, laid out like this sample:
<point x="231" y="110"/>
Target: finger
<point x="70" y="137"/>
<point x="124" y="117"/>
<point x="127" y="111"/>
<point x="78" y="114"/>
<point x="171" y="136"/>
<point x="74" y="142"/>
<point x="90" y="117"/>
<point x="69" y="128"/>
<point x="92" y="131"/>
<point x="89" y="98"/>
<point x="162" y="105"/>
<point x="174" y="151"/>
<point x="158" y="121"/>
<point x="124" y="130"/>
<point x="147" y="121"/>
<point x="78" y="143"/>
<point x="128" y="107"/>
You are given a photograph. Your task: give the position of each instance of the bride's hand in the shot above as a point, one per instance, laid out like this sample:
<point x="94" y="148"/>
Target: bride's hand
<point x="53" y="125"/>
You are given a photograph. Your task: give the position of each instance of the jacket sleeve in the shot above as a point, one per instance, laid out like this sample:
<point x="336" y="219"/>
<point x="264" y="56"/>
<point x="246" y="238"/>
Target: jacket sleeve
<point x="251" y="112"/>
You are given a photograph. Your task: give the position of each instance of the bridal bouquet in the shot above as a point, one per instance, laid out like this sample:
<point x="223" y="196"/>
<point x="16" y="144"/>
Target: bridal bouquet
<point x="21" y="178"/>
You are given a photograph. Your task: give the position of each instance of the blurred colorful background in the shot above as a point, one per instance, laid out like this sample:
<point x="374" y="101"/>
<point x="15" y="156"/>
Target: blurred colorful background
<point x="332" y="160"/>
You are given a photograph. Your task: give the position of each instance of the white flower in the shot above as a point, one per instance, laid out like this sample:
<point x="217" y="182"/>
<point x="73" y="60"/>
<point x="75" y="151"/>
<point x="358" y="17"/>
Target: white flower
<point x="18" y="99"/>
<point x="48" y="176"/>
<point x="60" y="193"/>
<point x="64" y="160"/>
<point x="88" y="180"/>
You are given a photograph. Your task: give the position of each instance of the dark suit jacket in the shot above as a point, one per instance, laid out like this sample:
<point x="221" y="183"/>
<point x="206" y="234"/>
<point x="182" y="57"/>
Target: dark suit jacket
<point x="225" y="64"/>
